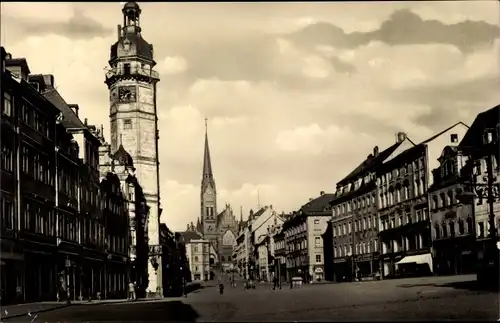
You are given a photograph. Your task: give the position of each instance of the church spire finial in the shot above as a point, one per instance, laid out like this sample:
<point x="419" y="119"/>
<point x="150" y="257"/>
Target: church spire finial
<point x="207" y="163"/>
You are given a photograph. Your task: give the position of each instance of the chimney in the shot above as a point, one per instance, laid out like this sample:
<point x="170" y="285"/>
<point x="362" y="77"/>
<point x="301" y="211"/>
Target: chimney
<point x="322" y="193"/>
<point x="119" y="33"/>
<point x="49" y="79"/>
<point x="75" y="108"/>
<point x="400" y="137"/>
<point x="375" y="151"/>
<point x="8" y="56"/>
<point x="85" y="121"/>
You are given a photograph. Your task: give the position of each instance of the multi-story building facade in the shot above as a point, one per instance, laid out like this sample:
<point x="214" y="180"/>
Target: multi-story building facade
<point x="481" y="145"/>
<point x="132" y="83"/>
<point x="53" y="219"/>
<point x="197" y="254"/>
<point x="259" y="224"/>
<point x="303" y="240"/>
<point x="354" y="217"/>
<point x="262" y="246"/>
<point x="175" y="264"/>
<point x="121" y="165"/>
<point x="452" y="222"/>
<point x="28" y="186"/>
<point x="280" y="255"/>
<point x="117" y="236"/>
<point x="403" y="212"/>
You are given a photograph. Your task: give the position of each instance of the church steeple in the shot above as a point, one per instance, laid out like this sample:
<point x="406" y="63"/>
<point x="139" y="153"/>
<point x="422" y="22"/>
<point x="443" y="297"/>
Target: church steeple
<point x="207" y="163"/>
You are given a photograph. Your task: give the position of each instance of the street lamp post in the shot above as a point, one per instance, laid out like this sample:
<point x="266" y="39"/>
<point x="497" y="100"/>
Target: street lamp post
<point x="475" y="190"/>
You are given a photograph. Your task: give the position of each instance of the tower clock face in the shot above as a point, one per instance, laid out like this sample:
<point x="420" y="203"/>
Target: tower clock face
<point x="126" y="94"/>
<point x="209" y="191"/>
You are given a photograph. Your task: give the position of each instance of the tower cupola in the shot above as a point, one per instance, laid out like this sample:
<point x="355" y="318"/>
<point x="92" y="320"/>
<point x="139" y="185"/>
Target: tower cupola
<point x="131" y="14"/>
<point x="129" y="42"/>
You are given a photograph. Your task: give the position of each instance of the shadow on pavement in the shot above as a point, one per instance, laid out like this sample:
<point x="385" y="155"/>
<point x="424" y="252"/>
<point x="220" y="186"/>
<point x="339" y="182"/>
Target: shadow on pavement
<point x="194" y="287"/>
<point x="175" y="311"/>
<point x="471" y="286"/>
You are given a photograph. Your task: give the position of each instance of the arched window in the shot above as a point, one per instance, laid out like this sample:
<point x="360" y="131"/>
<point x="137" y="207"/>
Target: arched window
<point x="223" y="258"/>
<point x="195" y="258"/>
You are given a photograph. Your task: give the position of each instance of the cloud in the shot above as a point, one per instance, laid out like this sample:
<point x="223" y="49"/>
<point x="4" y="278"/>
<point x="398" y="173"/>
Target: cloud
<point x="291" y="110"/>
<point x="314" y="140"/>
<point x="172" y="65"/>
<point x="78" y="26"/>
<point x="403" y="27"/>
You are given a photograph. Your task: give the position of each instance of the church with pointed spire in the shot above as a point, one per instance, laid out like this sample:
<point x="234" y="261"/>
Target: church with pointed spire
<point x="219" y="228"/>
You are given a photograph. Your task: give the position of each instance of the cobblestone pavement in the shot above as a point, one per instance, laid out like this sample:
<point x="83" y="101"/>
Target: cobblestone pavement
<point x="433" y="298"/>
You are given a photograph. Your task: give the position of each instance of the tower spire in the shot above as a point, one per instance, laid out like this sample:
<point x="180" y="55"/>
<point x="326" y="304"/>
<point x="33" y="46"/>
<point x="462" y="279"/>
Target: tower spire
<point x="207" y="163"/>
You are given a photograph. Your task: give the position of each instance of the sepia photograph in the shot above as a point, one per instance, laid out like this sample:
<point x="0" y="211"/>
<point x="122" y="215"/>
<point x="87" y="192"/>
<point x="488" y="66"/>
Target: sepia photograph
<point x="250" y="161"/>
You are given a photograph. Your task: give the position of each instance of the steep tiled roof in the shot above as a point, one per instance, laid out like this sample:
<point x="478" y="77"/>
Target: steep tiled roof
<point x="474" y="136"/>
<point x="70" y="119"/>
<point x="190" y="235"/>
<point x="318" y="204"/>
<point x="440" y="133"/>
<point x="369" y="164"/>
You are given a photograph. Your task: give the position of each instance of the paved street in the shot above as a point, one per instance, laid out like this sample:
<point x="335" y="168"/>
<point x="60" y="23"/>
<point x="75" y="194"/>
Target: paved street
<point x="433" y="298"/>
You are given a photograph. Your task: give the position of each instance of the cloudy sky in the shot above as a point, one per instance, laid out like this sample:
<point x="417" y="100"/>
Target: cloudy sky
<point x="297" y="94"/>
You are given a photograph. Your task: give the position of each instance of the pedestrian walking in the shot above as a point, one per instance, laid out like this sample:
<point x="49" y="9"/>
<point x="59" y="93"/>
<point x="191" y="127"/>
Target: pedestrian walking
<point x="131" y="291"/>
<point x="221" y="288"/>
<point x="275" y="282"/>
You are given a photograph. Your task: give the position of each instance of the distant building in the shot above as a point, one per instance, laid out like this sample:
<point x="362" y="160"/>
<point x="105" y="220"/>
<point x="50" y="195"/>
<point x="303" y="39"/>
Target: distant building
<point x="221" y="228"/>
<point x="198" y="252"/>
<point x="303" y="238"/>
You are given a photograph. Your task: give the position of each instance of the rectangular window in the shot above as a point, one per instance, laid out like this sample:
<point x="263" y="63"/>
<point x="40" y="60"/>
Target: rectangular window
<point x="127" y="124"/>
<point x="318" y="258"/>
<point x="7" y="216"/>
<point x="481" y="230"/>
<point x="454" y="138"/>
<point x="25" y="160"/>
<point x="317" y="241"/>
<point x="25" y="111"/>
<point x="6" y="159"/>
<point x="7" y="105"/>
<point x="126" y="69"/>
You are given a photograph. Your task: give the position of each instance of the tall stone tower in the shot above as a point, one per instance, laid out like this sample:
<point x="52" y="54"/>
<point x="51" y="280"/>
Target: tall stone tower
<point x="208" y="197"/>
<point x="134" y="123"/>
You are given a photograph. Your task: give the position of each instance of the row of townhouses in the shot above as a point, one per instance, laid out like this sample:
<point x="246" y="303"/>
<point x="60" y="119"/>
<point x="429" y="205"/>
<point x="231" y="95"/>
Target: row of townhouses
<point x="411" y="209"/>
<point x="73" y="215"/>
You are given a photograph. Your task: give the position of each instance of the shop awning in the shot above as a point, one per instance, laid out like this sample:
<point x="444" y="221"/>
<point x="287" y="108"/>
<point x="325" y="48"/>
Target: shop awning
<point x="417" y="259"/>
